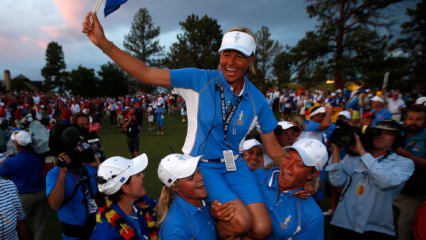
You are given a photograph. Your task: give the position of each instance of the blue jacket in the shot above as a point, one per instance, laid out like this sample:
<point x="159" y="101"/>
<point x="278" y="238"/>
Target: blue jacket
<point x="205" y="136"/>
<point x="185" y="221"/>
<point x="290" y="216"/>
<point x="370" y="186"/>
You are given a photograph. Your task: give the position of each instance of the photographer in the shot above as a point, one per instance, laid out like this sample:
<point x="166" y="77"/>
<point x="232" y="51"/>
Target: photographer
<point x="371" y="182"/>
<point x="82" y="121"/>
<point x="71" y="184"/>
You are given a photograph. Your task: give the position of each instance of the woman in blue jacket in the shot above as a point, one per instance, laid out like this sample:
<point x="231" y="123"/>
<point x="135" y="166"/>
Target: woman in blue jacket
<point x="124" y="212"/>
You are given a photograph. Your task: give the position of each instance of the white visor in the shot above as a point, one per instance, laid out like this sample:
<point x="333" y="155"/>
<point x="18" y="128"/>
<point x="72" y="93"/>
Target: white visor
<point x="239" y="41"/>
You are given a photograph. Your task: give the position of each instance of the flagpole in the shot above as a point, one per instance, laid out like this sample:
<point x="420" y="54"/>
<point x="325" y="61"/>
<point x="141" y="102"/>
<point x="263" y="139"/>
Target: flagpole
<point x="98" y="4"/>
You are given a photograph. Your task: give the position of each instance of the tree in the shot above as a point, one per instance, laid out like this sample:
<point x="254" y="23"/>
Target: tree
<point x="266" y="51"/>
<point x="113" y="82"/>
<point x="53" y="71"/>
<point x="413" y="45"/>
<point x="339" y="20"/>
<point x="82" y="81"/>
<point x="142" y="42"/>
<point x="198" y="45"/>
<point x="283" y="67"/>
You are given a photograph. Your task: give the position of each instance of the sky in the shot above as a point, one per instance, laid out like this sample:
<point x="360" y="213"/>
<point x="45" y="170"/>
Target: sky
<point x="27" y="26"/>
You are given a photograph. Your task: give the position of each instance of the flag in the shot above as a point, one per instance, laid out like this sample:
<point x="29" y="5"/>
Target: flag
<point x="112" y="5"/>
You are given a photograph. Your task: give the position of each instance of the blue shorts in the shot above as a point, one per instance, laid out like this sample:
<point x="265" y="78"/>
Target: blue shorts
<point x="226" y="186"/>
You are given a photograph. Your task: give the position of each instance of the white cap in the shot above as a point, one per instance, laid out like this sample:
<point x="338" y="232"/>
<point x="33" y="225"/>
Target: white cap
<point x="23" y="138"/>
<point x="176" y="166"/>
<point x="377" y="99"/>
<point x="421" y="101"/>
<point x="286" y="125"/>
<point x="345" y="114"/>
<point x="317" y="111"/>
<point x="240" y="41"/>
<point x="312" y="152"/>
<point x="115" y="171"/>
<point x="249" y="144"/>
<point x="333" y="94"/>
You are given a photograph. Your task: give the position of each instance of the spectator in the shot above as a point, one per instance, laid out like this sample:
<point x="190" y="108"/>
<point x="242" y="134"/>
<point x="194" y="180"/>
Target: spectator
<point x="25" y="169"/>
<point x="414" y="191"/>
<point x="160" y="118"/>
<point x="71" y="184"/>
<point x="379" y="111"/>
<point x="125" y="211"/>
<point x="371" y="182"/>
<point x="320" y="120"/>
<point x="286" y="133"/>
<point x="367" y="119"/>
<point x="292" y="217"/>
<point x="395" y="105"/>
<point x="133" y="131"/>
<point x="12" y="224"/>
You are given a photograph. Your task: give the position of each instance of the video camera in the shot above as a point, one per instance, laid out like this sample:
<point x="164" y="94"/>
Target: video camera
<point x="71" y="140"/>
<point x="344" y="135"/>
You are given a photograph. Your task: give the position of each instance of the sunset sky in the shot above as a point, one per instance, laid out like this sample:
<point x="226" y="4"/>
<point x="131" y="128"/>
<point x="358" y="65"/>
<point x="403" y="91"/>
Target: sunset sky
<point x="27" y="26"/>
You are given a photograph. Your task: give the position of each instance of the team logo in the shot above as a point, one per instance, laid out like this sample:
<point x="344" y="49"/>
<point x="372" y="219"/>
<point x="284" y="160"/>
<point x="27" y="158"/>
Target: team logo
<point x="240" y="119"/>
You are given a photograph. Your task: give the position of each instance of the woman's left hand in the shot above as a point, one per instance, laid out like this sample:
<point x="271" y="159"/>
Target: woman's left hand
<point x="223" y="212"/>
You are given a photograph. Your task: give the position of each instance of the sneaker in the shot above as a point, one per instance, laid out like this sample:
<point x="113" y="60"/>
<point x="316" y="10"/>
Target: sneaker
<point x="162" y="133"/>
<point x="329" y="212"/>
<point x="158" y="133"/>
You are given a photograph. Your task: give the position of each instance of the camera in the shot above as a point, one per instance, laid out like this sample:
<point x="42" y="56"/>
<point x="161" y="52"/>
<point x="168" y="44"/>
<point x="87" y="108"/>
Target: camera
<point x="344" y="135"/>
<point x="69" y="139"/>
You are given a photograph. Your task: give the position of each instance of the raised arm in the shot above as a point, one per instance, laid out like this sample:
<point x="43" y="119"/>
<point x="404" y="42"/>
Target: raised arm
<point x="130" y="64"/>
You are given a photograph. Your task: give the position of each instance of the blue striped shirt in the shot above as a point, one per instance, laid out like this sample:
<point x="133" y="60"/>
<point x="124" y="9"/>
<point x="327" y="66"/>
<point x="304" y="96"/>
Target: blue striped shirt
<point x="11" y="210"/>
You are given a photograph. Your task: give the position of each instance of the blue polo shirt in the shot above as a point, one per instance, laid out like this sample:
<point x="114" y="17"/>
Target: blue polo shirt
<point x="290" y="216"/>
<point x="185" y="221"/>
<point x="205" y="134"/>
<point x="382" y="114"/>
<point x="74" y="211"/>
<point x="25" y="169"/>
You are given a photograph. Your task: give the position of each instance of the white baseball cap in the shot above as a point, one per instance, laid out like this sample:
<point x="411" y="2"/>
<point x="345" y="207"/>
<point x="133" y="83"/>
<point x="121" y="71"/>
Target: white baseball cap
<point x="249" y="144"/>
<point x="115" y="171"/>
<point x="317" y="111"/>
<point x="176" y="166"/>
<point x="23" y="138"/>
<point x="312" y="152"/>
<point x="286" y="125"/>
<point x="345" y="114"/>
<point x="377" y="99"/>
<point x="421" y="101"/>
<point x="240" y="41"/>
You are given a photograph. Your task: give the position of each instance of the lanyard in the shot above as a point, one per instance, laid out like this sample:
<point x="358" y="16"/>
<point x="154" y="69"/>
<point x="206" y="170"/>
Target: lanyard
<point x="227" y="116"/>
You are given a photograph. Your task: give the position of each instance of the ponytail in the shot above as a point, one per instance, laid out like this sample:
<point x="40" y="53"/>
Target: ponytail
<point x="163" y="205"/>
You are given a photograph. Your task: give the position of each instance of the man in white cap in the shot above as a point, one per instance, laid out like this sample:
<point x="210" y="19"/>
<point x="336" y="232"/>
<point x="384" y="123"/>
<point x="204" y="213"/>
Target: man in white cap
<point x="292" y="217"/>
<point x="379" y="110"/>
<point x="25" y="169"/>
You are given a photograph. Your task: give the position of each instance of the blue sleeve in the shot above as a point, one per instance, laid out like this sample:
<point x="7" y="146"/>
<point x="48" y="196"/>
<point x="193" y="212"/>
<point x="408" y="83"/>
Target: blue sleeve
<point x="7" y="168"/>
<point x="190" y="78"/>
<point x="267" y="120"/>
<point x="312" y="126"/>
<point x="388" y="115"/>
<point x="104" y="231"/>
<point x="387" y="177"/>
<point x="51" y="178"/>
<point x="336" y="174"/>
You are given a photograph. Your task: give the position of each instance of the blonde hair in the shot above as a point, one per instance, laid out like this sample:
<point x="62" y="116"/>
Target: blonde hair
<point x="162" y="208"/>
<point x="249" y="32"/>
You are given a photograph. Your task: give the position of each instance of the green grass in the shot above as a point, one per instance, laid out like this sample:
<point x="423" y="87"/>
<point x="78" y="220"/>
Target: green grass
<point x="156" y="147"/>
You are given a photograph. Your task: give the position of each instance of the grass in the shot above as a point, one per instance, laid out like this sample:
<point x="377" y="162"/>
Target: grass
<point x="156" y="147"/>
